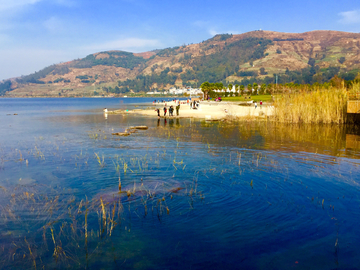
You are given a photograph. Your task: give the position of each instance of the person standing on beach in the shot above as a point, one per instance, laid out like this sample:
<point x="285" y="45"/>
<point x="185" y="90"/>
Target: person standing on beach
<point x="158" y="112"/>
<point x="171" y="110"/>
<point x="260" y="104"/>
<point x="177" y="109"/>
<point x="165" y="110"/>
<point x="255" y="104"/>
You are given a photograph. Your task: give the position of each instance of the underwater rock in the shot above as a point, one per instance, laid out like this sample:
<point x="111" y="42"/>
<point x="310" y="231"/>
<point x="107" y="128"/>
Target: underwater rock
<point x="139" y="127"/>
<point x="136" y="191"/>
<point x="130" y="130"/>
<point x="121" y="133"/>
<point x="26" y="181"/>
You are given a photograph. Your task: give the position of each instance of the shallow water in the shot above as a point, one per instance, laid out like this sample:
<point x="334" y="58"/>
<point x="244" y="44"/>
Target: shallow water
<point x="194" y="194"/>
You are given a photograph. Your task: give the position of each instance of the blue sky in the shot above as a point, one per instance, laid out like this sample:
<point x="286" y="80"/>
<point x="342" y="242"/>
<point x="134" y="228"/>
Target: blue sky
<point x="37" y="33"/>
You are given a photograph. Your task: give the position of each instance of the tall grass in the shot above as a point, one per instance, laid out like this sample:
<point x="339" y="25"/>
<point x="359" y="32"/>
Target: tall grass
<point x="318" y="106"/>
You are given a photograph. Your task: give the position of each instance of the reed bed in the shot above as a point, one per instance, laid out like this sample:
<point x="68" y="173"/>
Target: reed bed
<point x="315" y="107"/>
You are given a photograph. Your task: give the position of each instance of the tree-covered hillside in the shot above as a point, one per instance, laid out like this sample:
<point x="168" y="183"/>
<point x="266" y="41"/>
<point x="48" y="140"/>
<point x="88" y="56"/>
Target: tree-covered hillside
<point x="213" y="67"/>
<point x="4" y="87"/>
<point x="114" y="58"/>
<point x="262" y="57"/>
<point x="225" y="62"/>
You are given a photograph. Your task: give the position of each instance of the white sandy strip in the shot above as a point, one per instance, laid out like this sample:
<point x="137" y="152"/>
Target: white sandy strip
<point x="211" y="110"/>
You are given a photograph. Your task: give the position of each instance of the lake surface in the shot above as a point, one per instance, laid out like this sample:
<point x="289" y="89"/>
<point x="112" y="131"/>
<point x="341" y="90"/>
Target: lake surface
<point x="194" y="194"/>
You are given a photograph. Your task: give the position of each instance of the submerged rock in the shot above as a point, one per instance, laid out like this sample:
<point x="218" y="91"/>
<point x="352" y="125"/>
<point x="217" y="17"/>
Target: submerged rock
<point x="130" y="130"/>
<point x="121" y="133"/>
<point x="139" y="191"/>
<point x="139" y="127"/>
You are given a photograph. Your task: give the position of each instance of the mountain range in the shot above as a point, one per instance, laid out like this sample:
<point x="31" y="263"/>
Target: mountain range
<point x="256" y="56"/>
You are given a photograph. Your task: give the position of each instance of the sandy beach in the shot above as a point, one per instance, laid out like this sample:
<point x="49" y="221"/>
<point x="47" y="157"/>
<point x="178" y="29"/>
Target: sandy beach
<point x="209" y="110"/>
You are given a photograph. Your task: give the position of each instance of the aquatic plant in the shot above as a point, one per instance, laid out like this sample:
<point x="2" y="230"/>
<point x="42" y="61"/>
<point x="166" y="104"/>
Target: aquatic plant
<point x="100" y="161"/>
<point x="317" y="106"/>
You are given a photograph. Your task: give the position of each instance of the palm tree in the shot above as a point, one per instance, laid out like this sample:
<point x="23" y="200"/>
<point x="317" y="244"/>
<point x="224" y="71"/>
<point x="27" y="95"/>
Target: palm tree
<point x="205" y="87"/>
<point x="242" y="89"/>
<point x="236" y="90"/>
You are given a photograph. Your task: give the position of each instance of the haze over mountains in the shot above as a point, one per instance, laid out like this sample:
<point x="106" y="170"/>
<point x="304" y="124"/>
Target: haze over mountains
<point x="253" y="56"/>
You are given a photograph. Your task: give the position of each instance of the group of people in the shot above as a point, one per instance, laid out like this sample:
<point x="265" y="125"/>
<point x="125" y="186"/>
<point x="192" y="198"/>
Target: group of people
<point x="171" y="110"/>
<point x="194" y="105"/>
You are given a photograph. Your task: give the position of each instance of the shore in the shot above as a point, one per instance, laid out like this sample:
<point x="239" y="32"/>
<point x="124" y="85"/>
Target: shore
<point x="208" y="110"/>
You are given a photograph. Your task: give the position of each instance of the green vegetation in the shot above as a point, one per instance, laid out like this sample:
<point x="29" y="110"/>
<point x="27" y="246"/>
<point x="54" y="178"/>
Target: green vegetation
<point x="144" y="83"/>
<point x="218" y="66"/>
<point x="349" y="76"/>
<point x="247" y="73"/>
<point x="168" y="51"/>
<point x="213" y="68"/>
<point x="59" y="80"/>
<point x="221" y="37"/>
<point x="177" y="70"/>
<point x="309" y="75"/>
<point x="288" y="39"/>
<point x="36" y="76"/>
<point x="83" y="77"/>
<point x="254" y="98"/>
<point x="262" y="71"/>
<point x="117" y="59"/>
<point x="5" y="86"/>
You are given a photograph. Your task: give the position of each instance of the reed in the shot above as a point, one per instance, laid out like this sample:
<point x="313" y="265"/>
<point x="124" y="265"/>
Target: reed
<point x="100" y="161"/>
<point x="103" y="211"/>
<point x="318" y="106"/>
<point x="31" y="254"/>
<point x="125" y="167"/>
<point x="21" y="157"/>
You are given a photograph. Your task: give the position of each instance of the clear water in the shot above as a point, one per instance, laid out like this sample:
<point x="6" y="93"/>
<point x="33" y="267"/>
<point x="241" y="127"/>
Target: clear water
<point x="195" y="195"/>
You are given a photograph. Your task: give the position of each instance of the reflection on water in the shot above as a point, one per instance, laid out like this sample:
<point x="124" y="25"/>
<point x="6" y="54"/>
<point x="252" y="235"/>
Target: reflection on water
<point x="325" y="139"/>
<point x="182" y="194"/>
<point x="353" y="142"/>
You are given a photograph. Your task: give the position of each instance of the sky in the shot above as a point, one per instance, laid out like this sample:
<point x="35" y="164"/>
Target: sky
<point x="38" y="33"/>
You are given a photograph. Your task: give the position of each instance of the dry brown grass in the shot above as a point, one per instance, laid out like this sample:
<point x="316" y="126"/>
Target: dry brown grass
<point x="318" y="106"/>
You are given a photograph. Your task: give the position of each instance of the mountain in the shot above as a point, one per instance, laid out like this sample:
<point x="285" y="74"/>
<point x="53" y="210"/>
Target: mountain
<point x="250" y="57"/>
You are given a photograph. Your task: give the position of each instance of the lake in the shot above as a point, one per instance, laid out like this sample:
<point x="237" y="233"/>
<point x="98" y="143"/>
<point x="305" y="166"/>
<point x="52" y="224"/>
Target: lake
<point x="183" y="194"/>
